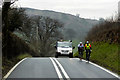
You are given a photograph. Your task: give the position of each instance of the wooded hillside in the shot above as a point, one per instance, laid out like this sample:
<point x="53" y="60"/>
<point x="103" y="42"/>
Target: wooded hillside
<point x="108" y="31"/>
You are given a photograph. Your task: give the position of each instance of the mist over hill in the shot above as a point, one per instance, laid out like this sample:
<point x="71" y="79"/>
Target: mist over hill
<point x="75" y="28"/>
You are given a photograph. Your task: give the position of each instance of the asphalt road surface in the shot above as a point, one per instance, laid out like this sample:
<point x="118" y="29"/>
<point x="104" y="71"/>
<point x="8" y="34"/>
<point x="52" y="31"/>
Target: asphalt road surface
<point x="58" y="68"/>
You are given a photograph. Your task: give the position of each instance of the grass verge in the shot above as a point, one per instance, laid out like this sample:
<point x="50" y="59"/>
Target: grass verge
<point x="106" y="55"/>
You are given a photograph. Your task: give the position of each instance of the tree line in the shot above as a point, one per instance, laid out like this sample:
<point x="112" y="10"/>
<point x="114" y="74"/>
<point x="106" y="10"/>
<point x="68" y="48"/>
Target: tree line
<point x="41" y="32"/>
<point x="107" y="31"/>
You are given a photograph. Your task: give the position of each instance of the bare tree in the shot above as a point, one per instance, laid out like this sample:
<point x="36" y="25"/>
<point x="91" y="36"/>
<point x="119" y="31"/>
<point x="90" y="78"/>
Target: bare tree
<point x="5" y="9"/>
<point x="48" y="33"/>
<point x="107" y="31"/>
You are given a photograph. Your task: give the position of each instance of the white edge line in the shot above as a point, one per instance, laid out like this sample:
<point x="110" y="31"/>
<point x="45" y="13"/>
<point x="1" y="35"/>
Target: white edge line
<point x="57" y="70"/>
<point x="103" y="69"/>
<point x="6" y="76"/>
<point x="61" y="67"/>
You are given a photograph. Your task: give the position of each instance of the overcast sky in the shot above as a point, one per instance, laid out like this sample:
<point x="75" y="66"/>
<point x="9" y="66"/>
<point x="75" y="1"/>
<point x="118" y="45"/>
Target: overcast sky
<point x="86" y="8"/>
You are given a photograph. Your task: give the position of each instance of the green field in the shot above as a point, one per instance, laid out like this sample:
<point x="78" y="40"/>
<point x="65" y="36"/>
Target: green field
<point x="106" y="55"/>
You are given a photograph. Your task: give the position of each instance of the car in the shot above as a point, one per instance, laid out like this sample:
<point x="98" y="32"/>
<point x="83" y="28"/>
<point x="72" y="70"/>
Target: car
<point x="64" y="48"/>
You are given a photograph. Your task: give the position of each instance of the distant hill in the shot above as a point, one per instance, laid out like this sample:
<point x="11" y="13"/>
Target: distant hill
<point x="74" y="26"/>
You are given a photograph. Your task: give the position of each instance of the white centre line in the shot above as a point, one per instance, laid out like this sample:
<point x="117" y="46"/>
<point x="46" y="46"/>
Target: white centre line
<point x="57" y="70"/>
<point x="62" y="69"/>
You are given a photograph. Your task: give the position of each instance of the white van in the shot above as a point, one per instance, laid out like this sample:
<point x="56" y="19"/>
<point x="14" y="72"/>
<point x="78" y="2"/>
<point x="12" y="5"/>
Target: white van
<point x="64" y="48"/>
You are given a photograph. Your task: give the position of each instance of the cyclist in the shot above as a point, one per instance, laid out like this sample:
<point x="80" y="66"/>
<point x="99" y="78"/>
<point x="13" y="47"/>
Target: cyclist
<point x="80" y="50"/>
<point x="88" y="50"/>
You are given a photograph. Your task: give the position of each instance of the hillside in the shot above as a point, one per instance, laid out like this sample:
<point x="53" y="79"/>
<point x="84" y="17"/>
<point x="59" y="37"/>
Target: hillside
<point x="74" y="27"/>
<point x="107" y="32"/>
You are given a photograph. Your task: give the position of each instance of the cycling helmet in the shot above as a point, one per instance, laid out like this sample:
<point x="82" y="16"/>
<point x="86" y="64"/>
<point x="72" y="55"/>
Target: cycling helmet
<point x="80" y="42"/>
<point x="87" y="42"/>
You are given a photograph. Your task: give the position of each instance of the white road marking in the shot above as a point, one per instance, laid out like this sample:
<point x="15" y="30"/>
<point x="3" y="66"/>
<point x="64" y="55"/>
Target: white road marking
<point x="6" y="76"/>
<point x="102" y="69"/>
<point x="57" y="70"/>
<point x="61" y="67"/>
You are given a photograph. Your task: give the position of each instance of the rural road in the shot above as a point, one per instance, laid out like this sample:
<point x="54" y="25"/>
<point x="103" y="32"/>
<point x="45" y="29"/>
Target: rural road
<point x="58" y="68"/>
